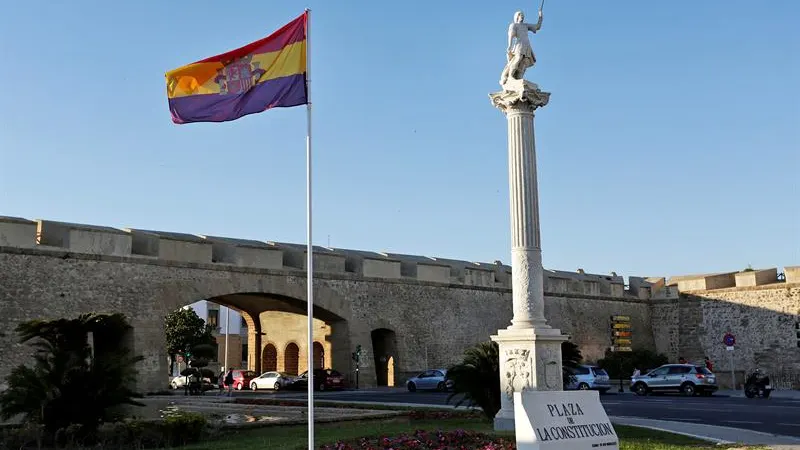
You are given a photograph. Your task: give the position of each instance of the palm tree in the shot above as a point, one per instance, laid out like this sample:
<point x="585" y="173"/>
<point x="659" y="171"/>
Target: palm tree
<point x="71" y="382"/>
<point x="476" y="379"/>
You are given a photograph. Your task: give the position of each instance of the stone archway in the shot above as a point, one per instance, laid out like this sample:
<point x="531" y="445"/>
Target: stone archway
<point x="269" y="358"/>
<point x="291" y="359"/>
<point x="319" y="356"/>
<point x="384" y="348"/>
<point x="251" y="294"/>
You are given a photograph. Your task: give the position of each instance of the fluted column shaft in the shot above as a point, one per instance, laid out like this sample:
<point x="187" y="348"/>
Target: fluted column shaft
<point x="526" y="253"/>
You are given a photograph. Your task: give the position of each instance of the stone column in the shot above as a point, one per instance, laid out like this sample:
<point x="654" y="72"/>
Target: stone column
<point x="253" y="341"/>
<point x="530" y="350"/>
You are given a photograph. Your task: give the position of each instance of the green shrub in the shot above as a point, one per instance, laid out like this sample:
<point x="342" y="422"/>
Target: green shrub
<point x="176" y="430"/>
<point x="30" y="435"/>
<point x="185" y="428"/>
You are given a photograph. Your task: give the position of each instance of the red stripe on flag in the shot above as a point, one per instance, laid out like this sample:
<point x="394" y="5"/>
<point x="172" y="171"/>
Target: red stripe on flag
<point x="294" y="31"/>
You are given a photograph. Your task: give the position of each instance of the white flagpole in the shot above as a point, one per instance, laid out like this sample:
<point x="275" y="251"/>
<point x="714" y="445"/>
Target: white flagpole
<point x="227" y="332"/>
<point x="310" y="251"/>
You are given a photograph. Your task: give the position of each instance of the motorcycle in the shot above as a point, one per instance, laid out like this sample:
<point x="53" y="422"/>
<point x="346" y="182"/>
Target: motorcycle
<point x="757" y="385"/>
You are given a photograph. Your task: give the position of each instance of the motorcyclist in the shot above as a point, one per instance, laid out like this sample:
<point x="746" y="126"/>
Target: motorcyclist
<point x="758" y="378"/>
<point x="757" y="384"/>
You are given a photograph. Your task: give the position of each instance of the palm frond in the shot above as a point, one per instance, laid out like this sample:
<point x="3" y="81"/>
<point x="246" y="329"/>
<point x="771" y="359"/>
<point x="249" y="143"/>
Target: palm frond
<point x="69" y="382"/>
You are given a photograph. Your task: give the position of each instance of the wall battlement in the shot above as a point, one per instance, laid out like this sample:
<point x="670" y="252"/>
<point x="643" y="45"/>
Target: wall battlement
<point x="741" y="280"/>
<point x="181" y="247"/>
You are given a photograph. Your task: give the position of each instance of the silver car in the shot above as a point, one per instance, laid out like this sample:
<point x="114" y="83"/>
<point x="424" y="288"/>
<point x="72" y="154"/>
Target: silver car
<point x="687" y="379"/>
<point x="272" y="380"/>
<point x="589" y="378"/>
<point x="430" y="379"/>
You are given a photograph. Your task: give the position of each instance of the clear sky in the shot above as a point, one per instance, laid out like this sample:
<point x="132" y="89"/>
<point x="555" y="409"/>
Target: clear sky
<point x="671" y="144"/>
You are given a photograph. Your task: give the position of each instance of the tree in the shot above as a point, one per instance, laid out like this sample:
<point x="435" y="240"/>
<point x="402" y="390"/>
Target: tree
<point x="187" y="332"/>
<point x="476" y="379"/>
<point x="571" y="358"/>
<point x="622" y="364"/>
<point x="72" y="382"/>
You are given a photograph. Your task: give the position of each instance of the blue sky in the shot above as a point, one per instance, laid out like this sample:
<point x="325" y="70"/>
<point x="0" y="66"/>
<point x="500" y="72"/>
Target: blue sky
<point x="671" y="144"/>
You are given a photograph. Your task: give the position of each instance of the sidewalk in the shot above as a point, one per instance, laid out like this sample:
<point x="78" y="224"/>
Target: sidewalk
<point x="782" y="394"/>
<point x="713" y="433"/>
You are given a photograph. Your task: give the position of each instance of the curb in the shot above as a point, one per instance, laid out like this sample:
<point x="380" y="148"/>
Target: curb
<point x="796" y="440"/>
<point x="615" y="419"/>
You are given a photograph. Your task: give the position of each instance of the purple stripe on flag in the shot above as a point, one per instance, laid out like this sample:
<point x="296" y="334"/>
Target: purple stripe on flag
<point x="276" y="93"/>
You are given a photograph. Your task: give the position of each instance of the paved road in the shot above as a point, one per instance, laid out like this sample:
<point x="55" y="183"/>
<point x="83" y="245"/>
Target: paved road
<point x="774" y="415"/>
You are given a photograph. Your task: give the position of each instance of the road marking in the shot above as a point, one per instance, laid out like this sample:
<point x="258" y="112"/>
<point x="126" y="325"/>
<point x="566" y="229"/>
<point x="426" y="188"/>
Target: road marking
<point x="682" y="419"/>
<point x="696" y="409"/>
<point x="790" y="424"/>
<point x="744" y="422"/>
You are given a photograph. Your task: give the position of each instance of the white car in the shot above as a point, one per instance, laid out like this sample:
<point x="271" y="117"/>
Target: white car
<point x="272" y="380"/>
<point x="180" y="382"/>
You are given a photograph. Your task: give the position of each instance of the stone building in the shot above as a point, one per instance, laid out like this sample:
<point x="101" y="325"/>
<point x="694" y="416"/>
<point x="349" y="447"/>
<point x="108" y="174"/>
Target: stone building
<point x="225" y="323"/>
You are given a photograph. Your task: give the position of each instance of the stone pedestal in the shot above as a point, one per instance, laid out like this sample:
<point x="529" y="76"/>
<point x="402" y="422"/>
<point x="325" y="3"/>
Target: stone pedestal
<point x="530" y="350"/>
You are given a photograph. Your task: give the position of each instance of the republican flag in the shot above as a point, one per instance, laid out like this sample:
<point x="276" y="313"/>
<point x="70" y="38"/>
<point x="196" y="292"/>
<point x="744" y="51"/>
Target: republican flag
<point x="268" y="73"/>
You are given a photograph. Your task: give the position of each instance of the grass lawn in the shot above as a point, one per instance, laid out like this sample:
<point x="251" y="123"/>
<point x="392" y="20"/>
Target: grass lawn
<point x="295" y="437"/>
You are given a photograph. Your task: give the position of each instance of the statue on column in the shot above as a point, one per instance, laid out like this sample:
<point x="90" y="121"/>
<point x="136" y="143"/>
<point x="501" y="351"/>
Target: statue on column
<point x="520" y="57"/>
<point x="519" y="53"/>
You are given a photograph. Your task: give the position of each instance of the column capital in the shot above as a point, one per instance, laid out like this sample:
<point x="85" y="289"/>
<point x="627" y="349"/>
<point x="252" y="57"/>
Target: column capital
<point x="519" y="96"/>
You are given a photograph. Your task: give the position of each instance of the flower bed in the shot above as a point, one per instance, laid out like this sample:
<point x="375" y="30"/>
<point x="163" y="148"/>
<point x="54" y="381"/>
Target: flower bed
<point x="424" y="440"/>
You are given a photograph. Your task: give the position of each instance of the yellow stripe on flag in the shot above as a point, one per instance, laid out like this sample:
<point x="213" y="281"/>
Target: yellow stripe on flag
<point x="199" y="78"/>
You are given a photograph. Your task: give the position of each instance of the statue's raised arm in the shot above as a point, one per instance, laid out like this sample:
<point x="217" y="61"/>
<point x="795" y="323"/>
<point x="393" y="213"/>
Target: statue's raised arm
<point x="537" y="26"/>
<point x="520" y="52"/>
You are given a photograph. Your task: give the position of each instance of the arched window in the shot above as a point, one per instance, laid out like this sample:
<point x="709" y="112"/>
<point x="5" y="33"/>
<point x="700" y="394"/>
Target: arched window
<point x="319" y="356"/>
<point x="291" y="358"/>
<point x="269" y="359"/>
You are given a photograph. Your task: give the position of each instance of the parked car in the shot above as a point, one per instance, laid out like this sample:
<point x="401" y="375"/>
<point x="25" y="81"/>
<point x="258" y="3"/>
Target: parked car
<point x="324" y="379"/>
<point x="180" y="382"/>
<point x="272" y="380"/>
<point x="589" y="378"/>
<point x="688" y="379"/>
<point x="430" y="379"/>
<point x="241" y="379"/>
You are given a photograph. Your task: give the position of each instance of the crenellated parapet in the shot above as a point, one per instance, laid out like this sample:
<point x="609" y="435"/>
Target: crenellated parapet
<point x="217" y="250"/>
<point x="745" y="279"/>
<point x="221" y="251"/>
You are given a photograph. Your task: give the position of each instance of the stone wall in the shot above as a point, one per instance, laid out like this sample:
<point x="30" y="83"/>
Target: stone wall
<point x="588" y="321"/>
<point x="764" y="320"/>
<point x="235" y="343"/>
<point x="433" y="322"/>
